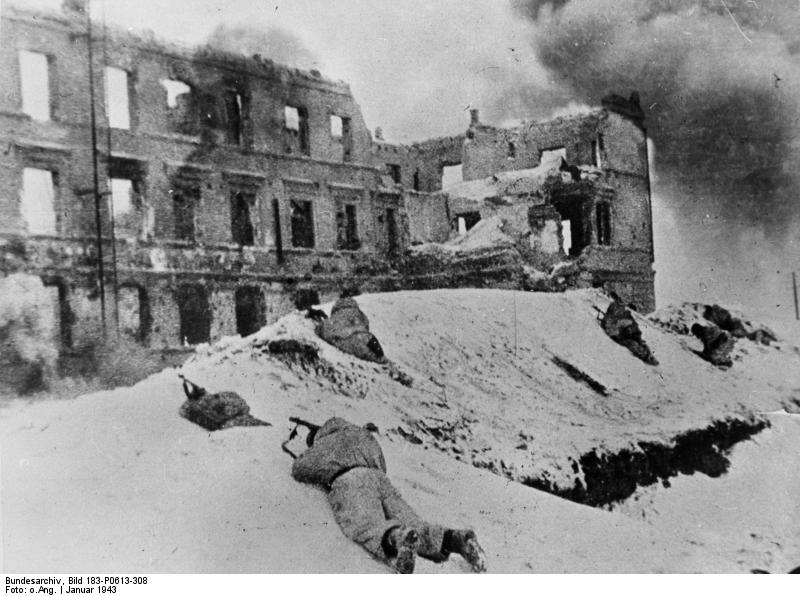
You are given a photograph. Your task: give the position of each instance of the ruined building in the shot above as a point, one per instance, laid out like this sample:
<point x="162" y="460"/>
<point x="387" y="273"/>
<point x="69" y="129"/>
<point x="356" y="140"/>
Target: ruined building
<point x="190" y="193"/>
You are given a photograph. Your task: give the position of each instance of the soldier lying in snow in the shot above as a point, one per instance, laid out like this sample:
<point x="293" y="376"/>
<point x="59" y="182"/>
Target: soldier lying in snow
<point x="216" y="411"/>
<point x="347" y="461"/>
<point x="619" y="325"/>
<point x="717" y="344"/>
<point x="348" y="329"/>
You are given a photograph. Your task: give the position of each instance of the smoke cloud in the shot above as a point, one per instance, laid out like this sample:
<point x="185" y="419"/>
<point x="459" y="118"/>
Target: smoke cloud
<point x="720" y="86"/>
<point x="273" y="43"/>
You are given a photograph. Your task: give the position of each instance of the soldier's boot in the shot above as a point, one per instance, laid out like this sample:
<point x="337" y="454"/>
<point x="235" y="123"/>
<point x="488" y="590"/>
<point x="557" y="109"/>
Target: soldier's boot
<point x="465" y="543"/>
<point x="403" y="543"/>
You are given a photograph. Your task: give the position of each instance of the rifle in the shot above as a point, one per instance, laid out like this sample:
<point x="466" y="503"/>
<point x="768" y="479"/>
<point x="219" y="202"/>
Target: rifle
<point x="292" y="435"/>
<point x="312" y="430"/>
<point x="300" y="422"/>
<point x="195" y="392"/>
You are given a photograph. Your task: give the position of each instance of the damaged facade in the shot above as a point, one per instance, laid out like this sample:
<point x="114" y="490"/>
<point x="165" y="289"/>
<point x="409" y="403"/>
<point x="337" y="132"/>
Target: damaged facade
<point x="226" y="184"/>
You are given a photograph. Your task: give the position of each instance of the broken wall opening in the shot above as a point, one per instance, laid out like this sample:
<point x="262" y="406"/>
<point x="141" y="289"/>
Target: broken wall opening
<point x="576" y="227"/>
<point x="466" y="221"/>
<point x="183" y="115"/>
<point x="250" y="310"/>
<point x="194" y="313"/>
<point x="452" y="174"/>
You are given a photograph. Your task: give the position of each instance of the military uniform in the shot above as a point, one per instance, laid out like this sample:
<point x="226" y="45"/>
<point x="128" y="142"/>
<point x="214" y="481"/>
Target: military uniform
<point x="347" y="460"/>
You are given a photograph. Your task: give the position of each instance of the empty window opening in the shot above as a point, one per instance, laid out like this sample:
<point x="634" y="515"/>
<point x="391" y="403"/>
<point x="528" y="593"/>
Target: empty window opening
<point x="566" y="234"/>
<point x="467" y="221"/>
<point x="603" y="222"/>
<point x="452" y="174"/>
<point x="391" y="233"/>
<point x="250" y="310"/>
<point x="576" y="224"/>
<point x="126" y="201"/>
<point x="184" y="203"/>
<point x="124" y="208"/>
<point x="61" y="313"/>
<point x="118" y="108"/>
<point x="555" y="154"/>
<point x="341" y="130"/>
<point x="337" y="126"/>
<point x="182" y="112"/>
<point x="416" y="180"/>
<point x="302" y="224"/>
<point x="242" y="228"/>
<point x="296" y="119"/>
<point x="134" y="312"/>
<point x="394" y="172"/>
<point x="512" y="150"/>
<point x="347" y="228"/>
<point x="194" y="313"/>
<point x="37" y="204"/>
<point x="234" y="116"/>
<point x="34" y="71"/>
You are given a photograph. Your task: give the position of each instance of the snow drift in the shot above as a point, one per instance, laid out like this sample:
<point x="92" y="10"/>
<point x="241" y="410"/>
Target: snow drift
<point x="117" y="481"/>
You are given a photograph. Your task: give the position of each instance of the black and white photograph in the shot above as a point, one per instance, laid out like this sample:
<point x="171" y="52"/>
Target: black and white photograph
<point x="399" y="287"/>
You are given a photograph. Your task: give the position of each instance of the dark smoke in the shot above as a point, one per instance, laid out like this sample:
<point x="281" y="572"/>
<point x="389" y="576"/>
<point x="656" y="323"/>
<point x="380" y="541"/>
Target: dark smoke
<point x="720" y="86"/>
<point x="273" y="43"/>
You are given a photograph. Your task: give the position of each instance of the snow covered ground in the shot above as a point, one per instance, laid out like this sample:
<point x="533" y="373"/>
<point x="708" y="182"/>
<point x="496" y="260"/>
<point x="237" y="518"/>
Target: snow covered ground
<point x="117" y="481"/>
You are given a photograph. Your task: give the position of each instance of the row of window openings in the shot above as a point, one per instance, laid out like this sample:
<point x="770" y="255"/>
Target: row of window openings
<point x="183" y="109"/>
<point x="135" y="320"/>
<point x="39" y="213"/>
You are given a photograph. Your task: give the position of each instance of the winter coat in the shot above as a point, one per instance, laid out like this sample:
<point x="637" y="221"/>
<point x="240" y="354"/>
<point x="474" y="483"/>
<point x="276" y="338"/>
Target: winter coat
<point x="338" y="446"/>
<point x="348" y="329"/>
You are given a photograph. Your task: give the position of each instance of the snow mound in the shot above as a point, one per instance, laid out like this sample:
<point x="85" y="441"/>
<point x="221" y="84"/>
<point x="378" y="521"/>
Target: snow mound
<point x="118" y="481"/>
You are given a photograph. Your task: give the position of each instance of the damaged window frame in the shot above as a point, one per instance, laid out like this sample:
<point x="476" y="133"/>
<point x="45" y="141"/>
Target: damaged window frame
<point x="184" y="117"/>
